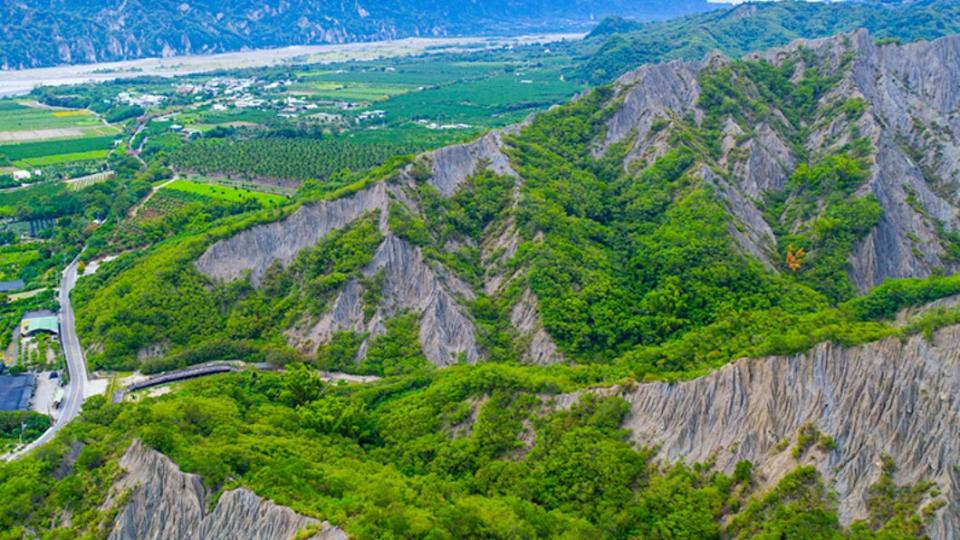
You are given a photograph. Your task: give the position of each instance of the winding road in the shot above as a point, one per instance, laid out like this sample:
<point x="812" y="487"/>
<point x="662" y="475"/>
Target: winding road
<point x="74" y="393"/>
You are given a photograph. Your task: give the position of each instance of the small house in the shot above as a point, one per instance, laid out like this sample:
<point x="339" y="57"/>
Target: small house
<point x="35" y="322"/>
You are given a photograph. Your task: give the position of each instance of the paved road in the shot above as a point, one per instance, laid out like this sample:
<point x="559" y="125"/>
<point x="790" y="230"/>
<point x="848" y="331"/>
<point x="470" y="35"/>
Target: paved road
<point x="73" y="395"/>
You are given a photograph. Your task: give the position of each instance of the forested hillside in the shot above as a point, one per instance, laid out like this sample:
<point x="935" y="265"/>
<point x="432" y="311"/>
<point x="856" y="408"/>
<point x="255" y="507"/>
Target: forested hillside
<point x="617" y="45"/>
<point x="712" y="299"/>
<point x="691" y="214"/>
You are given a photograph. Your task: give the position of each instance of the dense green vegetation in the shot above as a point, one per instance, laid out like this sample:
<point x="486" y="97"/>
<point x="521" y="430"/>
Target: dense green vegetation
<point x="634" y="269"/>
<point x="18" y="426"/>
<point x="636" y="272"/>
<point x="460" y="453"/>
<point x="618" y="46"/>
<point x="162" y="298"/>
<point x="61" y="222"/>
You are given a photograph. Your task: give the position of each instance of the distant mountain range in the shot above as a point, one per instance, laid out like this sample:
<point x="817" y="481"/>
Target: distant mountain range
<point x="51" y="32"/>
<point x="617" y="44"/>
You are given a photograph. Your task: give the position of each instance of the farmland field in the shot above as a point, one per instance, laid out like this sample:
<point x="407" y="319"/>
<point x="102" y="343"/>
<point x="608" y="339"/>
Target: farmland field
<point x="465" y="93"/>
<point x="354" y="91"/>
<point x="48" y="148"/>
<point x="227" y="193"/>
<point x="285" y="189"/>
<point x="57" y="159"/>
<point x="300" y="158"/>
<point x="18" y="117"/>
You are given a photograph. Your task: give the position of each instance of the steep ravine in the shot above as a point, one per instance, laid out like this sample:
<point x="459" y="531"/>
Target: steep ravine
<point x="162" y="502"/>
<point x="895" y="398"/>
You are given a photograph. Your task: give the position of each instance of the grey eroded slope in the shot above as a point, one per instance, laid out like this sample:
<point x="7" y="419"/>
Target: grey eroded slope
<point x="912" y="119"/>
<point x="409" y="284"/>
<point x="453" y="165"/>
<point x="894" y="398"/>
<point x="255" y="249"/>
<point x="165" y="502"/>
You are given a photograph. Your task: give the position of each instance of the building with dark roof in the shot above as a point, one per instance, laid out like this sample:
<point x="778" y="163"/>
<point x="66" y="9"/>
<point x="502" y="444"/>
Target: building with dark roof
<point x="11" y="286"/>
<point x="16" y="391"/>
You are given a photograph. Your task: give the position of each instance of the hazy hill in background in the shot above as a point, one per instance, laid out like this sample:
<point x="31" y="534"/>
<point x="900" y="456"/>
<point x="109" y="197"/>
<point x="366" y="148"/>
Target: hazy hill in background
<point x="618" y="45"/>
<point x="50" y="32"/>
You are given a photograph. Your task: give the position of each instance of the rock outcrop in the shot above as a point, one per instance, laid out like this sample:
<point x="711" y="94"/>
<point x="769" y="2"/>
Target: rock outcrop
<point x="913" y="96"/>
<point x="163" y="502"/>
<point x="912" y="119"/>
<point x="538" y="346"/>
<point x="453" y="165"/>
<point x="652" y="92"/>
<point x="894" y="398"/>
<point x="255" y="249"/>
<point x="410" y="284"/>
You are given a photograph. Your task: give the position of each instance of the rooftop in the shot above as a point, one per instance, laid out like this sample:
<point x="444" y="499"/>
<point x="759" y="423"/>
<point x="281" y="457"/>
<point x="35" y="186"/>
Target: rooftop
<point x="39" y="321"/>
<point x="11" y="286"/>
<point x="15" y="392"/>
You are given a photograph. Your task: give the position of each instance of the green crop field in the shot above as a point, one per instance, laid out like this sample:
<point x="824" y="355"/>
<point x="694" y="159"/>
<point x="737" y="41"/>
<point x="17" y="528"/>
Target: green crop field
<point x="352" y="91"/>
<point x="31" y="150"/>
<point x="239" y="183"/>
<point x="224" y="192"/>
<point x="412" y="72"/>
<point x="57" y="159"/>
<point x="490" y="101"/>
<point x="16" y="117"/>
<point x="237" y="115"/>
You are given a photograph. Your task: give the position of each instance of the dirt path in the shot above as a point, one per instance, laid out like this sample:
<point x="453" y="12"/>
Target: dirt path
<point x="136" y="209"/>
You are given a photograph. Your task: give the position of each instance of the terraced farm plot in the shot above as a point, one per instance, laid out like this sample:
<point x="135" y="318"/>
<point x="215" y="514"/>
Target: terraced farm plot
<point x="224" y="192"/>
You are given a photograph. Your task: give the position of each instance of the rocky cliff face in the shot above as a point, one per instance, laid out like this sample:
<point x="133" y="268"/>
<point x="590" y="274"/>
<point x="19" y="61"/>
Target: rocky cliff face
<point x="900" y="399"/>
<point x="453" y="165"/>
<point x="409" y="284"/>
<point x="410" y="281"/>
<point x="256" y="249"/>
<point x="912" y="119"/>
<point x="162" y="502"/>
